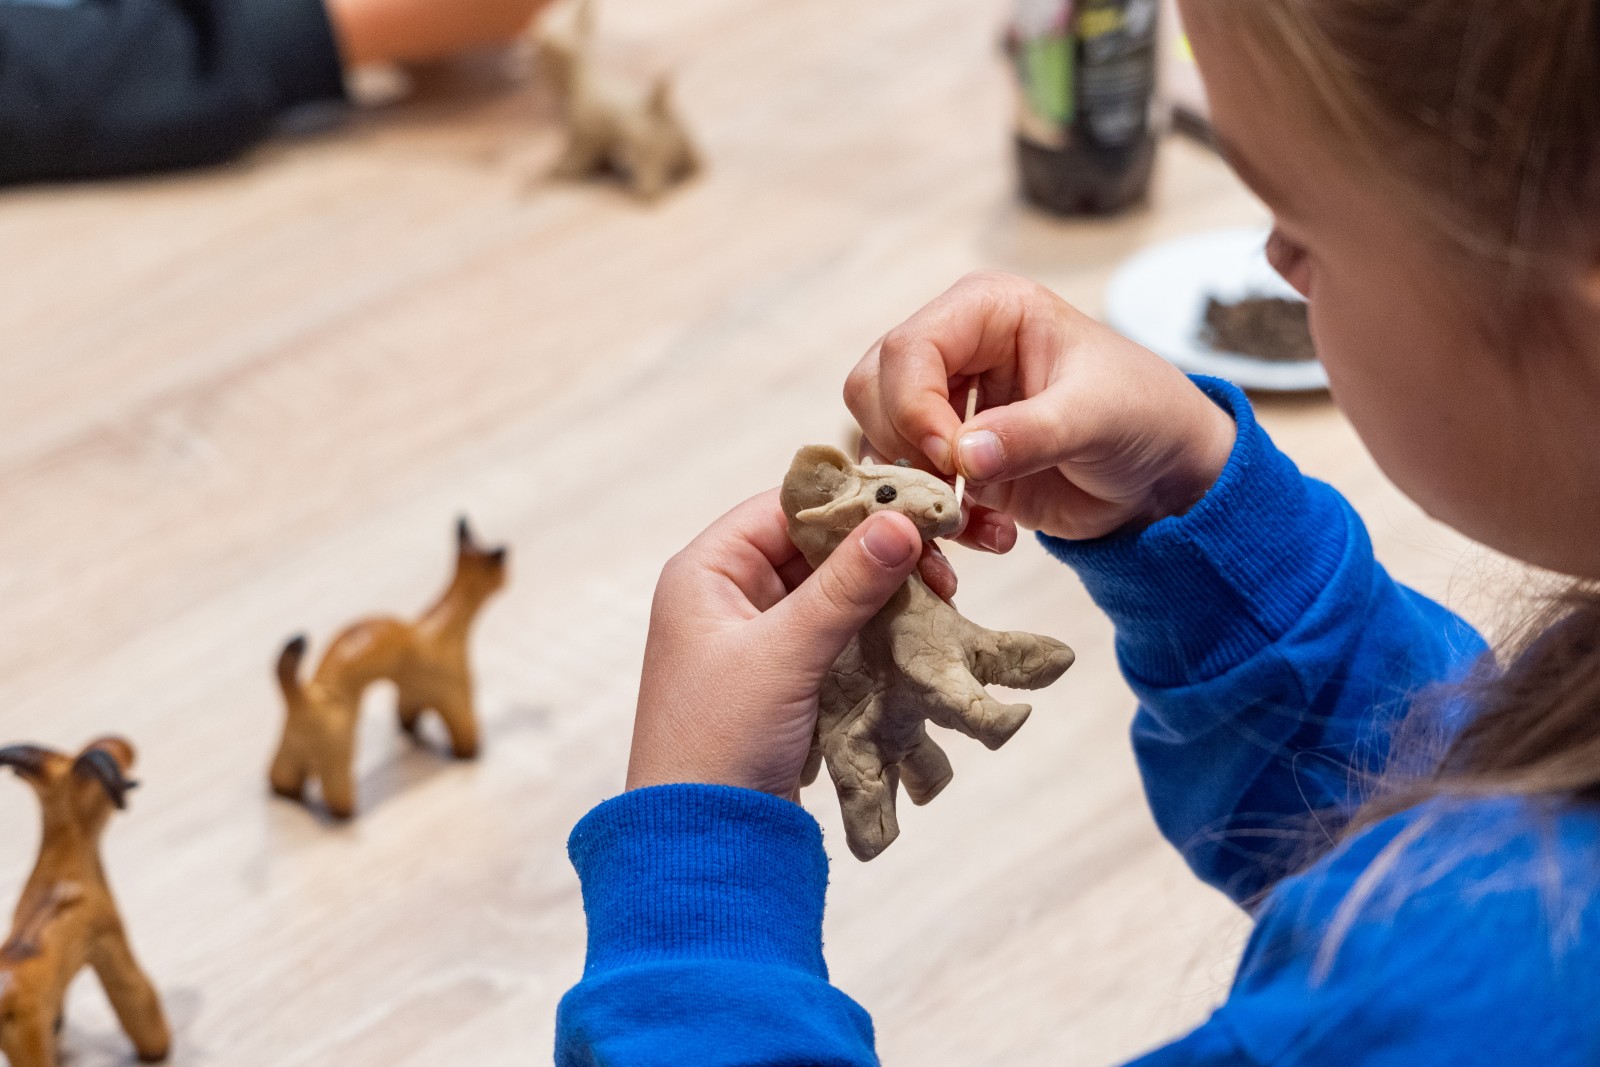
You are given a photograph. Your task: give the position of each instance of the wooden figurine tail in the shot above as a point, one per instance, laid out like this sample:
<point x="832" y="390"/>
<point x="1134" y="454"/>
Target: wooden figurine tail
<point x="289" y="766"/>
<point x="289" y="661"/>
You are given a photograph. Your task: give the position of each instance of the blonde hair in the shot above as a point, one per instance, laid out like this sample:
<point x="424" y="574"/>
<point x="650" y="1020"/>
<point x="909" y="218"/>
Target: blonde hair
<point x="1485" y="113"/>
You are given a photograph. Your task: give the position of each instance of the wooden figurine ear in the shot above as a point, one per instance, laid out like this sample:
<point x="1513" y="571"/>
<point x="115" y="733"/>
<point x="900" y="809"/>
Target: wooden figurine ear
<point x="463" y="535"/>
<point x="102" y="766"/>
<point x="498" y="556"/>
<point x="27" y="760"/>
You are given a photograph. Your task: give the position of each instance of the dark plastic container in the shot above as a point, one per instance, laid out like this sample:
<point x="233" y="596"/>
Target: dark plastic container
<point x="1086" y="80"/>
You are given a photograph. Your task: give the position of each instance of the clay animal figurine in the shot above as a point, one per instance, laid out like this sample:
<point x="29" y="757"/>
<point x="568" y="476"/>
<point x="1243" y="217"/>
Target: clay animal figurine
<point x="67" y="918"/>
<point x="613" y="123"/>
<point x="917" y="661"/>
<point x="426" y="660"/>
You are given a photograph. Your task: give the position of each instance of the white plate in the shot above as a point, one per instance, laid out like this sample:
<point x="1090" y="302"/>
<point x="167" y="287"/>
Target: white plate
<point x="1158" y="298"/>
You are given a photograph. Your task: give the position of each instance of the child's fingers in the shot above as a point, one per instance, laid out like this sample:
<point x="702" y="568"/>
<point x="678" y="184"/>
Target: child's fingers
<point x="988" y="531"/>
<point x="970" y="329"/>
<point x="937" y="572"/>
<point x="818" y="619"/>
<point x="1014" y="441"/>
<point x="863" y="395"/>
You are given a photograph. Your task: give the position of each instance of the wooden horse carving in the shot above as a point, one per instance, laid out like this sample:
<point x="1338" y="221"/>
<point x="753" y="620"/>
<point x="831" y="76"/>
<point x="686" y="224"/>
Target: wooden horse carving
<point x="67" y="918"/>
<point x="426" y="660"/>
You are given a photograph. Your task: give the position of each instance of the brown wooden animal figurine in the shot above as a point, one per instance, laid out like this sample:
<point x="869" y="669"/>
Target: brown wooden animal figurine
<point x="613" y="122"/>
<point x="426" y="660"/>
<point x="917" y="661"/>
<point x="67" y="918"/>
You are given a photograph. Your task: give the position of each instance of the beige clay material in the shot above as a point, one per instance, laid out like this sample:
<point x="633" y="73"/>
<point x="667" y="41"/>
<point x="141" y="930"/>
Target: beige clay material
<point x="614" y="123"/>
<point x="67" y="918"/>
<point x="426" y="660"/>
<point x="917" y="661"/>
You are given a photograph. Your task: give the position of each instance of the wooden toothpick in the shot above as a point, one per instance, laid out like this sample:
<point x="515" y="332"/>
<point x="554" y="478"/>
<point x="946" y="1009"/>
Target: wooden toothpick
<point x="972" y="409"/>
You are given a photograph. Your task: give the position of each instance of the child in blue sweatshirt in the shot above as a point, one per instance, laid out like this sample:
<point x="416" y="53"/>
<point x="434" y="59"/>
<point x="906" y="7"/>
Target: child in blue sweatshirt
<point x="1433" y="167"/>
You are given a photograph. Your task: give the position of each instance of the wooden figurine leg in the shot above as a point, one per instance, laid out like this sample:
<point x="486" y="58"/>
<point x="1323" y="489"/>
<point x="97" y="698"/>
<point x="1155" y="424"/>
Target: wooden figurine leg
<point x="337" y="771"/>
<point x="460" y="721"/>
<point x="289" y="770"/>
<point x="132" y="996"/>
<point x="28" y="1040"/>
<point x="410" y="711"/>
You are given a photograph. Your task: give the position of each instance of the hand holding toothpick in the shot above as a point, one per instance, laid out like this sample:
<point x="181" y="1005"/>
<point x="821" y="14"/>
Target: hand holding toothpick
<point x="972" y="409"/>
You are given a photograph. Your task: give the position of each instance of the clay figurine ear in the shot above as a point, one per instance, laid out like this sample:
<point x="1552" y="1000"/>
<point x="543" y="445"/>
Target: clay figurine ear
<point x="660" y="103"/>
<point x="27" y="760"/>
<point x="826" y="466"/>
<point x="101" y="765"/>
<point x="844" y="514"/>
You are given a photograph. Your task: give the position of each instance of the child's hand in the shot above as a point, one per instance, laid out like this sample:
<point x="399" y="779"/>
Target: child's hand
<point x="742" y="634"/>
<point x="1080" y="431"/>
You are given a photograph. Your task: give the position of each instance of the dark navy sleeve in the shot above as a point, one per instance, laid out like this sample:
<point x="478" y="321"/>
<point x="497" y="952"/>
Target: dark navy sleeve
<point x="1272" y="657"/>
<point x="95" y="88"/>
<point x="704" y="908"/>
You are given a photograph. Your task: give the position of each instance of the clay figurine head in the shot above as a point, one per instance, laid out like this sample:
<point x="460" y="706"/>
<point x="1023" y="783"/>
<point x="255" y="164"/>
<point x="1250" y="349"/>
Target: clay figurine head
<point x="85" y="788"/>
<point x="826" y="496"/>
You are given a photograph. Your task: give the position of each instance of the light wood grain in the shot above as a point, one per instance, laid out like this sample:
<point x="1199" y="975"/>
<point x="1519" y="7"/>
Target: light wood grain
<point x="244" y="403"/>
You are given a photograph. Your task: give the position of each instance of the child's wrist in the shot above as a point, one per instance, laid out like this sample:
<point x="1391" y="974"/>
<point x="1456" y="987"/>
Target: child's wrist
<point x="1199" y="462"/>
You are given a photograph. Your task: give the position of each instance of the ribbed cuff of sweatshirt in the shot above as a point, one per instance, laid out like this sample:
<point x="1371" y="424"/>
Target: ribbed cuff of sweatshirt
<point x="293" y="41"/>
<point x="678" y="872"/>
<point x="1194" y="595"/>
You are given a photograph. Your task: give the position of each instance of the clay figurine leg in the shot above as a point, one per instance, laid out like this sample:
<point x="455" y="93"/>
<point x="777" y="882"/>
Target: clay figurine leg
<point x="926" y="770"/>
<point x="1015" y="659"/>
<point x="134" y="999"/>
<point x="866" y="791"/>
<point x="584" y="155"/>
<point x="969" y="708"/>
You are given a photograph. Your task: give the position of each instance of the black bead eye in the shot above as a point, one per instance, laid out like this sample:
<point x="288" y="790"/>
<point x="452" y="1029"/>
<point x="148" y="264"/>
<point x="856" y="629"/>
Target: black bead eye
<point x="886" y="494"/>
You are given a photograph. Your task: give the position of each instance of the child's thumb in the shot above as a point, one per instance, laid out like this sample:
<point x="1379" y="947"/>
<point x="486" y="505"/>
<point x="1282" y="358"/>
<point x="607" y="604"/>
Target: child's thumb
<point x="853" y="584"/>
<point x="1014" y="441"/>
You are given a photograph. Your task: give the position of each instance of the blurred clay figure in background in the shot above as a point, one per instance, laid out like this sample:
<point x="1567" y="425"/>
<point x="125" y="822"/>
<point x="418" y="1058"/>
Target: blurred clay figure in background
<point x="427" y="661"/>
<point x="615" y="123"/>
<point x="95" y="88"/>
<point x="67" y="918"/>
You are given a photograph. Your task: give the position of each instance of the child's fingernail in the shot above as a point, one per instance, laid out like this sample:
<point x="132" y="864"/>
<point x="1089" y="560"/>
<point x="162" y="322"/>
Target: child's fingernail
<point x="937" y="449"/>
<point x="888" y="544"/>
<point x="992" y="536"/>
<point x="980" y="455"/>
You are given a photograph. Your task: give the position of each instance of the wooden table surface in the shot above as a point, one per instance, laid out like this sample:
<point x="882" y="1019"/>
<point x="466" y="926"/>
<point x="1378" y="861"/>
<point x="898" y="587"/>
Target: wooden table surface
<point x="244" y="403"/>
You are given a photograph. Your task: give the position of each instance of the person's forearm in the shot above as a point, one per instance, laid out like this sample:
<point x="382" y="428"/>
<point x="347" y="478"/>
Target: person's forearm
<point x="704" y="908"/>
<point x="1270" y="653"/>
<point x="124" y="86"/>
<point x="392" y="31"/>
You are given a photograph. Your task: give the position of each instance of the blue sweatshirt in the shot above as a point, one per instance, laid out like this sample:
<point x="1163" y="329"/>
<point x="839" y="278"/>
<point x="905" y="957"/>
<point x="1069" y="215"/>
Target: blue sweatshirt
<point x="1272" y="657"/>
